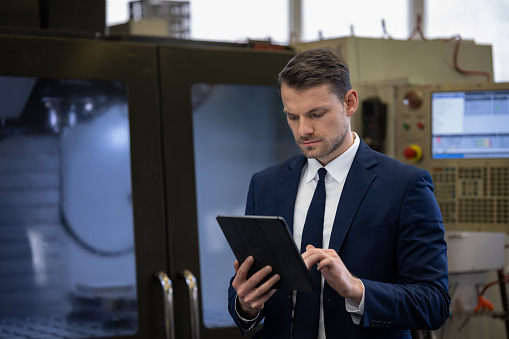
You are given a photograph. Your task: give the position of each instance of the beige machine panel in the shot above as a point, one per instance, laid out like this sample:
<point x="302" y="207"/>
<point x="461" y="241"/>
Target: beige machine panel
<point x="470" y="168"/>
<point x="420" y="61"/>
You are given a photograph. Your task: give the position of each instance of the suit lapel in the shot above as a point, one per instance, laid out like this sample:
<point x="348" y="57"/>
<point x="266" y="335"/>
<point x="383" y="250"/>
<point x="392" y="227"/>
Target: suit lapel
<point x="288" y="184"/>
<point x="356" y="185"/>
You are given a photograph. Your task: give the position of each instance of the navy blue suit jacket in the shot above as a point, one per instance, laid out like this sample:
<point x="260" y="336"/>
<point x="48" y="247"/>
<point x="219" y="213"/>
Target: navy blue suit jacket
<point x="388" y="231"/>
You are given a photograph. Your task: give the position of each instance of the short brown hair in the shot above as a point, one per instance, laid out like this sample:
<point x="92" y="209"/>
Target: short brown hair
<point x="316" y="67"/>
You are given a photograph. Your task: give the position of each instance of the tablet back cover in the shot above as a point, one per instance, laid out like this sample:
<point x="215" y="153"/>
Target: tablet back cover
<point x="270" y="242"/>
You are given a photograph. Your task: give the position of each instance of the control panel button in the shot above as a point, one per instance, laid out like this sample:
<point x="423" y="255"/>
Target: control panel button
<point x="413" y="153"/>
<point x="413" y="99"/>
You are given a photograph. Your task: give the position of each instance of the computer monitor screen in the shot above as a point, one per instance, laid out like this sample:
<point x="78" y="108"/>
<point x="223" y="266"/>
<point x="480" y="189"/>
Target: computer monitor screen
<point x="470" y="124"/>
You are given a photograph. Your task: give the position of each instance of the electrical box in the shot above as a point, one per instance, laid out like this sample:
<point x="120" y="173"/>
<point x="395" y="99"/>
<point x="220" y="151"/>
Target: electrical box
<point x="464" y="249"/>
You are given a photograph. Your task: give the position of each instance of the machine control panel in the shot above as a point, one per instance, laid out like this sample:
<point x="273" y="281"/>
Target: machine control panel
<point x="460" y="134"/>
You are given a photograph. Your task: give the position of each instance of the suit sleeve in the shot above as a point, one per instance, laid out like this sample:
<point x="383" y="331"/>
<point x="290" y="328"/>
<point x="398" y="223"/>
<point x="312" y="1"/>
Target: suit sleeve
<point x="420" y="299"/>
<point x="250" y="203"/>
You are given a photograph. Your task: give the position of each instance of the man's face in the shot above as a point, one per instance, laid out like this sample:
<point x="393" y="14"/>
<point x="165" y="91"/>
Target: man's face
<point x="319" y="121"/>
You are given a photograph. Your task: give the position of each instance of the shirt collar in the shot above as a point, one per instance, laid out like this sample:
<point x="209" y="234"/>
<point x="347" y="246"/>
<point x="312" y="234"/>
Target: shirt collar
<point x="338" y="168"/>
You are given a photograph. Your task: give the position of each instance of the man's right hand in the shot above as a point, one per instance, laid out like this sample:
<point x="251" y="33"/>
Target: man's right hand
<point x="251" y="298"/>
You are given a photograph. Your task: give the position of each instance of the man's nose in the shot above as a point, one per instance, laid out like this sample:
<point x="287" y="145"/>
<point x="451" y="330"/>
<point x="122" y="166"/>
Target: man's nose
<point x="305" y="127"/>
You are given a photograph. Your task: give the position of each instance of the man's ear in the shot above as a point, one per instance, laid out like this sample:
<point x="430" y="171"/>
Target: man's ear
<point x="351" y="102"/>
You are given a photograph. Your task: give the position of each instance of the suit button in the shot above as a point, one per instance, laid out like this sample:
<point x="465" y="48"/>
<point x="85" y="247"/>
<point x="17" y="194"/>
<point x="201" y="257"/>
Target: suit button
<point x="373" y="323"/>
<point x="378" y="323"/>
<point x="389" y="324"/>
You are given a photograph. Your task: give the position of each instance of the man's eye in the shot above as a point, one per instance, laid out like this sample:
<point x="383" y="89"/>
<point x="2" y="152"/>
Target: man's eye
<point x="292" y="117"/>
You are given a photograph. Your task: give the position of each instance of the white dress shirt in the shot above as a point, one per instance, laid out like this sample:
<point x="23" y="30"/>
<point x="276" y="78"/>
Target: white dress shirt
<point x="337" y="170"/>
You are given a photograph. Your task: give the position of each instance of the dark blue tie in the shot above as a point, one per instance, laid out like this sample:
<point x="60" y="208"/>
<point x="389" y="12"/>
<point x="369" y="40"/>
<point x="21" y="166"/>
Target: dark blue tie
<point x="307" y="305"/>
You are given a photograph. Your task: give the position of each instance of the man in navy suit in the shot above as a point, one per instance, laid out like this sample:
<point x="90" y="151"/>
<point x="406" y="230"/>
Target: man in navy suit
<point x="383" y="261"/>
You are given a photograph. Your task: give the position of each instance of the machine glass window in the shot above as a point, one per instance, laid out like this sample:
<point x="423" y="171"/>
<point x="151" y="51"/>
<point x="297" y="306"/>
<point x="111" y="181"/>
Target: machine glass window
<point x="67" y="261"/>
<point x="237" y="131"/>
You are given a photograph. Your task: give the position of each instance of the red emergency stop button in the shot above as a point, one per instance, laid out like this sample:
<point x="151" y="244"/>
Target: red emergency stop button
<point x="413" y="153"/>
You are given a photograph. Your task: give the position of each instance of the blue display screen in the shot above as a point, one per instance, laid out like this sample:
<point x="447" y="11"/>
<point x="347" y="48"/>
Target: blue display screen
<point x="470" y="124"/>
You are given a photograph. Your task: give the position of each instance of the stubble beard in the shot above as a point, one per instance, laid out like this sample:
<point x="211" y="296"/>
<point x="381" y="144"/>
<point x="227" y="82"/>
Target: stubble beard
<point x="329" y="146"/>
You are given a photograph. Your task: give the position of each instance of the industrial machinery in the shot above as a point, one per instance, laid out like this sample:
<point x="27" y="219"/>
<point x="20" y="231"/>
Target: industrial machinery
<point x="108" y="160"/>
<point x="460" y="134"/>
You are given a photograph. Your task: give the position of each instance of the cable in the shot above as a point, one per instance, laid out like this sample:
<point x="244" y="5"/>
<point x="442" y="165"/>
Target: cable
<point x="484" y="303"/>
<point x="461" y="70"/>
<point x="418" y="30"/>
<point x="505" y="279"/>
<point x="384" y="30"/>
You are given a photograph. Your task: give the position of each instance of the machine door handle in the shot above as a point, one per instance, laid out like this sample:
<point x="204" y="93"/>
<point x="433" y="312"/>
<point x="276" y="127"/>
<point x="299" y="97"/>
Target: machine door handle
<point x="192" y="287"/>
<point x="169" y="319"/>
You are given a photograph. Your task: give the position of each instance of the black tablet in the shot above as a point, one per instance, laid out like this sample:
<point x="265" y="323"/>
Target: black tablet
<point x="270" y="242"/>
